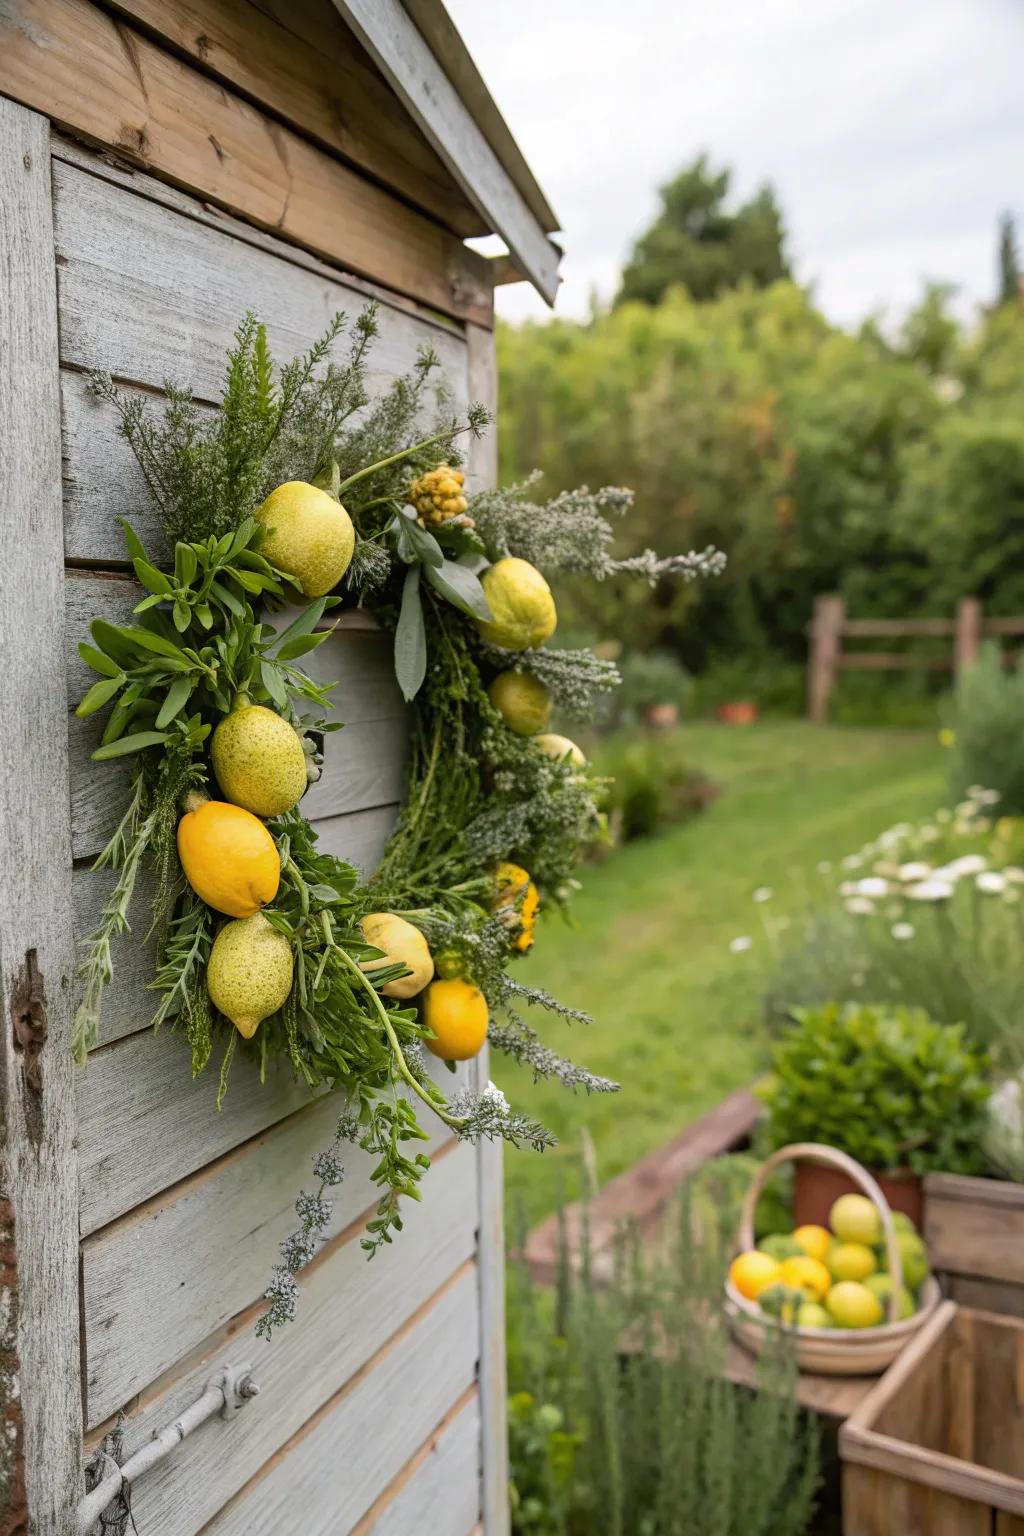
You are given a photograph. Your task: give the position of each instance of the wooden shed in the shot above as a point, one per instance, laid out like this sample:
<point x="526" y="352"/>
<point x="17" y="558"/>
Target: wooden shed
<point x="164" y="167"/>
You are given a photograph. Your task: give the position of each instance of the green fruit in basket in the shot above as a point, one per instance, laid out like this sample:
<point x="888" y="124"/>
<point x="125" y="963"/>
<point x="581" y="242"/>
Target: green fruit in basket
<point x="855" y="1219"/>
<point x="780" y="1301"/>
<point x="812" y="1315"/>
<point x="902" y="1222"/>
<point x="851" y="1261"/>
<point x="915" y="1259"/>
<point x="881" y="1286"/>
<point x="852" y="1305"/>
<point x="780" y="1246"/>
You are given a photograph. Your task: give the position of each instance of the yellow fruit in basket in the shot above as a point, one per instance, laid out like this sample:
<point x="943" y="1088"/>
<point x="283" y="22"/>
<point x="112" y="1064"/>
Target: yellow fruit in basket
<point x="752" y="1272"/>
<point x="852" y="1305"/>
<point x="229" y="858"/>
<point x="851" y="1261"/>
<point x="811" y="1314"/>
<point x="813" y="1241"/>
<point x="780" y="1301"/>
<point x="523" y="613"/>
<point x="881" y="1286"/>
<point x="855" y="1219"/>
<point x="807" y="1274"/>
<point x="902" y="1222"/>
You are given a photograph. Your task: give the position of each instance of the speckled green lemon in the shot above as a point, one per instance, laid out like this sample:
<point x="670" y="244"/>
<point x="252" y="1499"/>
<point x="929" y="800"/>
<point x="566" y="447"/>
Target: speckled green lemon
<point x="250" y="972"/>
<point x="523" y="612"/>
<point x="522" y="701"/>
<point x="308" y="534"/>
<point x="259" y="761"/>
<point x="560" y="748"/>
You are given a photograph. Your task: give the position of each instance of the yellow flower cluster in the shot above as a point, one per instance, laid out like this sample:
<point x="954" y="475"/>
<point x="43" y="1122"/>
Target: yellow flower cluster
<point x="438" y="495"/>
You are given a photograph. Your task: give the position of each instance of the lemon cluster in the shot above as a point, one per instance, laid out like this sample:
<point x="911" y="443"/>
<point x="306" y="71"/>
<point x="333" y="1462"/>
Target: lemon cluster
<point x="438" y="495"/>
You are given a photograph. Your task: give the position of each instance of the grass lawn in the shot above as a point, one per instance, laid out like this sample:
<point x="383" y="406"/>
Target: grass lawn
<point x="676" y="1015"/>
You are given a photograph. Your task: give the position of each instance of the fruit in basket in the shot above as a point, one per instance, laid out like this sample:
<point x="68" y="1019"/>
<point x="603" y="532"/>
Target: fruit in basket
<point x="811" y="1314"/>
<point x="813" y="1240"/>
<point x="902" y="1222"/>
<point x="915" y="1259"/>
<point x="779" y="1245"/>
<point x="852" y="1305"/>
<point x="880" y="1285"/>
<point x="781" y="1301"/>
<point x="851" y="1261"/>
<point x="807" y="1275"/>
<point x="855" y="1219"/>
<point x="753" y="1272"/>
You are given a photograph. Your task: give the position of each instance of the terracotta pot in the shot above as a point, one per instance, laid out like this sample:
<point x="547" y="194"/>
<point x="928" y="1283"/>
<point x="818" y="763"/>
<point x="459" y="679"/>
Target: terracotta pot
<point x="742" y="712"/>
<point x="816" y="1188"/>
<point x="662" y="717"/>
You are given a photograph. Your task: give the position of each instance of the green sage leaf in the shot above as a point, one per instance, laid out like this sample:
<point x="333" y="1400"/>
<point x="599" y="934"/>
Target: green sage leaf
<point x="411" y="637"/>
<point x="128" y="744"/>
<point x="99" y="694"/>
<point x="178" y="695"/>
<point x="461" y="588"/>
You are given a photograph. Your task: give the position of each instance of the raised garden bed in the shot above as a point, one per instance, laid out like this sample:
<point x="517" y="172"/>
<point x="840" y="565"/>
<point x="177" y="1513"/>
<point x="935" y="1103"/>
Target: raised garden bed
<point x="974" y="1229"/>
<point x="937" y="1446"/>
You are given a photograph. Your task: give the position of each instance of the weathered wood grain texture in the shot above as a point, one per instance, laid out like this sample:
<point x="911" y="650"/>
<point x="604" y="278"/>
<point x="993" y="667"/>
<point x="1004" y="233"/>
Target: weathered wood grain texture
<point x="418" y="79"/>
<point x="349" y="1312"/>
<point x="975" y="1226"/>
<point x="482" y="385"/>
<point x="369" y="1426"/>
<point x="151" y="296"/>
<point x="38" y="1174"/>
<point x="142" y="1307"/>
<point x="364" y="763"/>
<point x="91" y="73"/>
<point x="437" y="1490"/>
<point x="491" y="1370"/>
<point x="297" y="58"/>
<point x="877" y="1503"/>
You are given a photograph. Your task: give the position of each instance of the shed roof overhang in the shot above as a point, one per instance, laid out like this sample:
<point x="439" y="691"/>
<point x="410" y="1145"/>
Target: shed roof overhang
<point x="418" y="49"/>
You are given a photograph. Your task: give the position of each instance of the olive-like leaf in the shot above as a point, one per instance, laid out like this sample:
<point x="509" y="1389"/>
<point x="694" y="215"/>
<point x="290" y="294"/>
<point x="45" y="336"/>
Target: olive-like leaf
<point x="411" y="637"/>
<point x="128" y="744"/>
<point x="178" y="695"/>
<point x="461" y="588"/>
<point x="150" y="577"/>
<point x="96" y="659"/>
<point x="99" y="694"/>
<point x="274" y="683"/>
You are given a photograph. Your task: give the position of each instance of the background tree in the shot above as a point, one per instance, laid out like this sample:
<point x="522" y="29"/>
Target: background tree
<point x="1009" y="262"/>
<point x="697" y="242"/>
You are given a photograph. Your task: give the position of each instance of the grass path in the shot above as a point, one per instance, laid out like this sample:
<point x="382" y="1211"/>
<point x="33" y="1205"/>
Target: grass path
<point x="676" y="1014"/>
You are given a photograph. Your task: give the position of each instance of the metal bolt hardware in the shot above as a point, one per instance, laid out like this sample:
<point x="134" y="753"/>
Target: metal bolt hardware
<point x="224" y="1394"/>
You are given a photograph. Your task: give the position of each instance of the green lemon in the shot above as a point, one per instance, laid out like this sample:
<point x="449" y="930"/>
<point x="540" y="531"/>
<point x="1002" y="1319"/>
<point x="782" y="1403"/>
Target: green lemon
<point x="523" y="613"/>
<point x="308" y="534"/>
<point x="810" y="1314"/>
<point x="851" y="1261"/>
<point x="259" y="761"/>
<point x="561" y="749"/>
<point x="881" y="1286"/>
<point x="854" y="1219"/>
<point x="780" y="1246"/>
<point x="250" y="972"/>
<point x="522" y="701"/>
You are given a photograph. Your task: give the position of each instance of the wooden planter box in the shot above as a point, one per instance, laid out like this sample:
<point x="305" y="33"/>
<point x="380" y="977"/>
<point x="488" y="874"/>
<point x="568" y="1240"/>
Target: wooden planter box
<point x="937" y="1446"/>
<point x="974" y="1229"/>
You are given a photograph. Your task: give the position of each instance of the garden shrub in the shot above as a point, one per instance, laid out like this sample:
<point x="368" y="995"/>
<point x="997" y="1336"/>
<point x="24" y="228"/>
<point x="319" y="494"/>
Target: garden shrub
<point x="987" y="720"/>
<point x="651" y="786"/>
<point x="652" y="1441"/>
<point x="889" y="1086"/>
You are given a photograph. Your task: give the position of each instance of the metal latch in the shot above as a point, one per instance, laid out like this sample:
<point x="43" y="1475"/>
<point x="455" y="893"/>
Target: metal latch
<point x="224" y="1393"/>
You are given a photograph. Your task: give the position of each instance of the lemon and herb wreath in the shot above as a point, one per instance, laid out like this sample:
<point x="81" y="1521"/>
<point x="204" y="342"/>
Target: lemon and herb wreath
<point x="302" y="494"/>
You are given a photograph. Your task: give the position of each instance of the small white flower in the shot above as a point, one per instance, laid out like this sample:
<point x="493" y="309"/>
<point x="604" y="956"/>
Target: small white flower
<point x="852" y="861"/>
<point x="1014" y="875"/>
<point x="872" y="886"/>
<point x="902" y="931"/>
<point x="739" y="945"/>
<point x="496" y="1097"/>
<point x="929" y="834"/>
<point x="930" y="890"/>
<point x="848" y="888"/>
<point x="991" y="882"/>
<point x="967" y="864"/>
<point x="988" y="797"/>
<point x="914" y="871"/>
<point x="763" y="893"/>
<point x="825" y="867"/>
<point x="860" y="906"/>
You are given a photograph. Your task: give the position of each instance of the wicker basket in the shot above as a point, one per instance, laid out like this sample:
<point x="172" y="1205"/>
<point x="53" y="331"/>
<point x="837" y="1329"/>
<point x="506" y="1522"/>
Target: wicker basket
<point x="830" y="1351"/>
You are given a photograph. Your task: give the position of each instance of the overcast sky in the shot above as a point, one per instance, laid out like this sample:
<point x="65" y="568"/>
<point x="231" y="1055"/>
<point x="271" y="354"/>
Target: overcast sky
<point x="893" y="130"/>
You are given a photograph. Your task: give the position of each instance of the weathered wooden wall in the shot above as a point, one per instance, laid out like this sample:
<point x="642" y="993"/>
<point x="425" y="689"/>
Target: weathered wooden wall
<point x="381" y="1407"/>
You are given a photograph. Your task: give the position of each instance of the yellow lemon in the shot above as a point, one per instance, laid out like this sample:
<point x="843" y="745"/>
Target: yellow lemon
<point x="456" y="1013"/>
<point x="259" y="762"/>
<point x="855" y="1219"/>
<point x="229" y="858"/>
<point x="402" y="945"/>
<point x="522" y="701"/>
<point x="308" y="534"/>
<point x="517" y="896"/>
<point x="811" y="1314"/>
<point x="522" y="609"/>
<point x="752" y="1272"/>
<point x="806" y="1274"/>
<point x="249" y="974"/>
<point x="813" y="1240"/>
<point x="851" y="1305"/>
<point x="560" y="748"/>
<point x="851" y="1261"/>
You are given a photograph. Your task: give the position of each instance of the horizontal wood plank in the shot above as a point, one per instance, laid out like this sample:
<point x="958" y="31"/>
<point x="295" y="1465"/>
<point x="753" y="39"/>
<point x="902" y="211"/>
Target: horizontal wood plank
<point x="437" y="1491"/>
<point x="364" y="765"/>
<point x="393" y="1406"/>
<point x="349" y="1309"/>
<point x="975" y="1226"/>
<point x="298" y="59"/>
<point x="891" y="661"/>
<point x="91" y="73"/>
<point x="142" y="1309"/>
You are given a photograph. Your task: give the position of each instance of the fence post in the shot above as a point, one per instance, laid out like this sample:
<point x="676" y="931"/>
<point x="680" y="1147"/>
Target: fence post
<point x="826" y="641"/>
<point x="967" y="639"/>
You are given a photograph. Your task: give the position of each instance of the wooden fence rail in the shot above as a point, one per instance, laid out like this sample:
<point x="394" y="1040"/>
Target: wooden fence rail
<point x="830" y="627"/>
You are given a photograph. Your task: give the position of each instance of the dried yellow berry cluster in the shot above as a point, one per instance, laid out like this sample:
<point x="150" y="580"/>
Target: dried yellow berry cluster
<point x="438" y="495"/>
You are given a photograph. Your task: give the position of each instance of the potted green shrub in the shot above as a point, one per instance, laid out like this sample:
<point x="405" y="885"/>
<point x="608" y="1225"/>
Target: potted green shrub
<point x="890" y="1086"/>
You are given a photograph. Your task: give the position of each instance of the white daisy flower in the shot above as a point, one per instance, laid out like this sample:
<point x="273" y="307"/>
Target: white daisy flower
<point x="991" y="882"/>
<point x="930" y="890"/>
<point x="873" y="886"/>
<point x="741" y="944"/>
<point x="967" y="864"/>
<point x="860" y="906"/>
<point x="763" y="893"/>
<point x="902" y="931"/>
<point x="914" y="871"/>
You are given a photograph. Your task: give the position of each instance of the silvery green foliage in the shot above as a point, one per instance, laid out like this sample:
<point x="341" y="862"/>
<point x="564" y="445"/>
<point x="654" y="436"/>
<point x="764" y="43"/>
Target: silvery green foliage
<point x="299" y="1247"/>
<point x="573" y="678"/>
<point x="487" y="1116"/>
